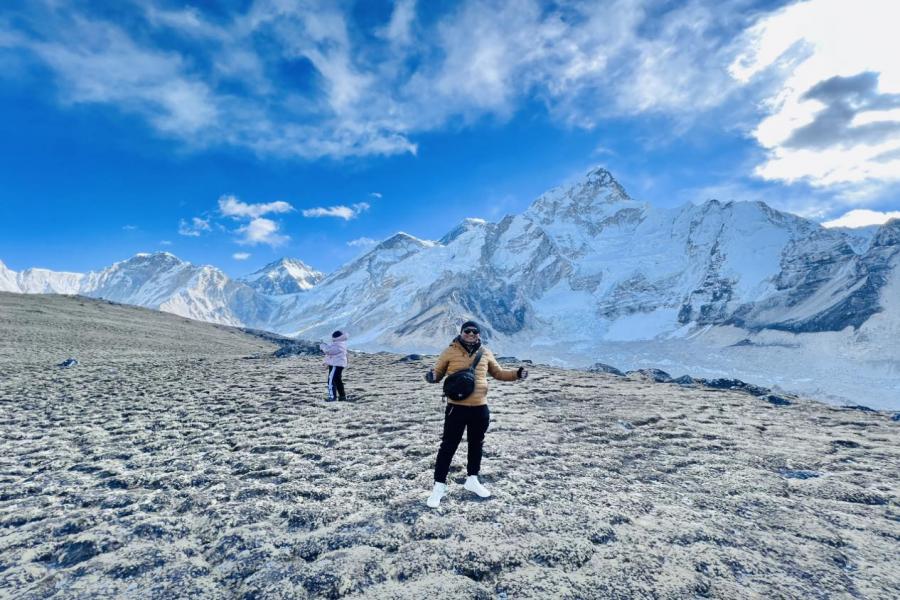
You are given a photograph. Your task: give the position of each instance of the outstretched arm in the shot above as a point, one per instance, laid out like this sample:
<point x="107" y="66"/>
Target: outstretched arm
<point x="498" y="372"/>
<point x="330" y="349"/>
<point x="440" y="368"/>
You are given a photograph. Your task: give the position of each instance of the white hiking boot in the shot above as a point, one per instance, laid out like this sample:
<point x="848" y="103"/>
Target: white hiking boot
<point x="439" y="491"/>
<point x="473" y="485"/>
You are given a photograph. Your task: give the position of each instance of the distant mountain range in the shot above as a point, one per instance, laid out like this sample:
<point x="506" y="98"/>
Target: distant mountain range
<point x="582" y="266"/>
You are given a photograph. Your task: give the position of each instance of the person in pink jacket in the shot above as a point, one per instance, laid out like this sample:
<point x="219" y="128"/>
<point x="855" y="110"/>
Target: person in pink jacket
<point x="336" y="361"/>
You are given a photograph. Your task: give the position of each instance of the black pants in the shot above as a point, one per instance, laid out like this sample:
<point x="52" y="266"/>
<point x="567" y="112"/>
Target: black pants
<point x="335" y="383"/>
<point x="457" y="419"/>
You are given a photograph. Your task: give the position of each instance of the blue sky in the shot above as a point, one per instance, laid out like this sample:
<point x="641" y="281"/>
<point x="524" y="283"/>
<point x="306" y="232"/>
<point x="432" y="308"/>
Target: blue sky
<point x="234" y="133"/>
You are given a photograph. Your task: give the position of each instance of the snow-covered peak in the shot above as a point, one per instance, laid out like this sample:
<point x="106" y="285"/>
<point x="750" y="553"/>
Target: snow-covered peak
<point x="160" y="257"/>
<point x="588" y="202"/>
<point x="8" y="279"/>
<point x="888" y="234"/>
<point x="465" y="226"/>
<point x="284" y="276"/>
<point x="402" y="240"/>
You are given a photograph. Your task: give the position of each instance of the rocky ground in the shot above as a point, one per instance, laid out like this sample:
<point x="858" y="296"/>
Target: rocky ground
<point x="180" y="459"/>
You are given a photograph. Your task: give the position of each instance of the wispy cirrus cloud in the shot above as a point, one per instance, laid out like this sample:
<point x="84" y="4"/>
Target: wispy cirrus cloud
<point x="240" y="255"/>
<point x="341" y="212"/>
<point x="193" y="228"/>
<point x="304" y="80"/>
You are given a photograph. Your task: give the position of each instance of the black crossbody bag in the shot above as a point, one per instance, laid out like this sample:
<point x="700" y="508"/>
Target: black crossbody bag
<point x="461" y="384"/>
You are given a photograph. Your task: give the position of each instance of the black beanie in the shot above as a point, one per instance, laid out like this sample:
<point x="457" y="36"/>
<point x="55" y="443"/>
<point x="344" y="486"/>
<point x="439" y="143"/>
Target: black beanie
<point x="337" y="334"/>
<point x="470" y="324"/>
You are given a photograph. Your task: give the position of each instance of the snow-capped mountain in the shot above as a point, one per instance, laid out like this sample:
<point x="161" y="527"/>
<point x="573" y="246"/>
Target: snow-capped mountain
<point x="584" y="268"/>
<point x="285" y="276"/>
<point x="588" y="264"/>
<point x="39" y="281"/>
<point x="161" y="281"/>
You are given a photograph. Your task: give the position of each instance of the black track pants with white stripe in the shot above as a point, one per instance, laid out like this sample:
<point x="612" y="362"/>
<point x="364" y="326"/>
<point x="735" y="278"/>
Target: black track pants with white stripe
<point x="473" y="419"/>
<point x="335" y="383"/>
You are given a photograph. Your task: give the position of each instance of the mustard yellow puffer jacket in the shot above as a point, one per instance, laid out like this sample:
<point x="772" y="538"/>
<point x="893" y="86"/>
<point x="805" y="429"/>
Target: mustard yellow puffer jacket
<point x="455" y="358"/>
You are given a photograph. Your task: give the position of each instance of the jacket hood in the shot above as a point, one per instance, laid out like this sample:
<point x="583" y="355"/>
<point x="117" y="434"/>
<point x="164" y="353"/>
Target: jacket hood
<point x="341" y="338"/>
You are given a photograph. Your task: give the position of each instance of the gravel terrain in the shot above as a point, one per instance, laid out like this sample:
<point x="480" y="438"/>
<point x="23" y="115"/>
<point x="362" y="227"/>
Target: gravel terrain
<point x="181" y="459"/>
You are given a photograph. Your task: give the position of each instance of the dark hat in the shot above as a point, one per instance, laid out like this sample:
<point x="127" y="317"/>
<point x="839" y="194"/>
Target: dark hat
<point x="337" y="334"/>
<point x="470" y="324"/>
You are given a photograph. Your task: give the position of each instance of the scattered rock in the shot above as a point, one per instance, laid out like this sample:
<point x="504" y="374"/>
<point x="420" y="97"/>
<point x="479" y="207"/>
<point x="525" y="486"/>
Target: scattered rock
<point x="799" y="474"/>
<point x="655" y="375"/>
<point x="74" y="552"/>
<point x="298" y="348"/>
<point x="69" y="362"/>
<point x="844" y="444"/>
<point x="858" y="407"/>
<point x="743" y="342"/>
<point x="604" y="368"/>
<point x="411" y="358"/>
<point x="896" y="417"/>
<point x="735" y="384"/>
<point x="776" y="400"/>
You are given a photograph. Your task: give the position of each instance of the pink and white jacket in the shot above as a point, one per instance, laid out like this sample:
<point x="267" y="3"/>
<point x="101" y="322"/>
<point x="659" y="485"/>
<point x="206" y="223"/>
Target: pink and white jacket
<point x="336" y="351"/>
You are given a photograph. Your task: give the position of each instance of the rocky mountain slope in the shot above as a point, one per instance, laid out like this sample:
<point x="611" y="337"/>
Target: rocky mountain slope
<point x="181" y="466"/>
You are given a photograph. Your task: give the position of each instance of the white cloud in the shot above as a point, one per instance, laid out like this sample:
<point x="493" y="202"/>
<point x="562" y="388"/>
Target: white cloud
<point x="362" y="242"/>
<point x="341" y="212"/>
<point x="240" y="256"/>
<point x="129" y="227"/>
<point x="376" y="195"/>
<point x="165" y="243"/>
<point x="862" y="218"/>
<point x="232" y="207"/>
<point x="215" y="80"/>
<point x="834" y="118"/>
<point x="261" y="231"/>
<point x="195" y="228"/>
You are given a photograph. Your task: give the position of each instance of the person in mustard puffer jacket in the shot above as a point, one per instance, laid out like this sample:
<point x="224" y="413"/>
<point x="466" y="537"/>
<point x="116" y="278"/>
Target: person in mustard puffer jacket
<point x="470" y="413"/>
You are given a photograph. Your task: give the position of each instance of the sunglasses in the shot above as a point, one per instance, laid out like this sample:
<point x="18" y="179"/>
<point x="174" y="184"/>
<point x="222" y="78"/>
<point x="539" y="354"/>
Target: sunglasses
<point x="468" y="330"/>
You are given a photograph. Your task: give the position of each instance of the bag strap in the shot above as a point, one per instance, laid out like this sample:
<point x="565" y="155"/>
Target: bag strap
<point x="477" y="358"/>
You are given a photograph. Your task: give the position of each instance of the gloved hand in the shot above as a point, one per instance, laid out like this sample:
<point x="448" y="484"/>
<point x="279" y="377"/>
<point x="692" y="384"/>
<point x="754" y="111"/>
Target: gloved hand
<point x="429" y="376"/>
<point x="522" y="373"/>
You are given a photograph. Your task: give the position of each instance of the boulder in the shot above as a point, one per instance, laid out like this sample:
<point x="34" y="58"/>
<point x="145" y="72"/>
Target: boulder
<point x="297" y="348"/>
<point x="410" y="358"/>
<point x="776" y="400"/>
<point x="655" y="375"/>
<point x="600" y="367"/>
<point x="735" y="384"/>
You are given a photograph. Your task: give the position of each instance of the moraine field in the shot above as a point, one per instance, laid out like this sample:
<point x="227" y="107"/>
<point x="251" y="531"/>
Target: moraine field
<point x="181" y="459"/>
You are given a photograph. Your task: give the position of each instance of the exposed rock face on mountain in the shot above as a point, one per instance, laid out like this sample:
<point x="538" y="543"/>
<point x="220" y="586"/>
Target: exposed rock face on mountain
<point x="285" y="276"/>
<point x="181" y="467"/>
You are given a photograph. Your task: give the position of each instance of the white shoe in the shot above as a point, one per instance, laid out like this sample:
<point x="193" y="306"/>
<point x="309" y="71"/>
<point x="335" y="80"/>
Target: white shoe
<point x="473" y="485"/>
<point x="439" y="491"/>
